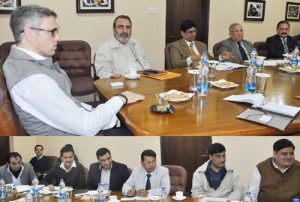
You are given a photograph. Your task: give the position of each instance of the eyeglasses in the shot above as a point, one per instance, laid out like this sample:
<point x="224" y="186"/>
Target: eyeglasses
<point x="284" y="154"/>
<point x="192" y="32"/>
<point x="237" y="31"/>
<point x="53" y="31"/>
<point x="283" y="29"/>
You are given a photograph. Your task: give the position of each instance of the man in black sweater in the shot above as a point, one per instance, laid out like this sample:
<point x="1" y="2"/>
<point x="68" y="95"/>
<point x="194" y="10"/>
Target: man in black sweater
<point x="70" y="171"/>
<point x="40" y="163"/>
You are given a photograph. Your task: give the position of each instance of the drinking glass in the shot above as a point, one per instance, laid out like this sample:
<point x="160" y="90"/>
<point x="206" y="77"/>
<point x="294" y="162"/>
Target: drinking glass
<point x="260" y="62"/>
<point x="212" y="64"/>
<point x="287" y="59"/>
<point x="261" y="82"/>
<point x="163" y="102"/>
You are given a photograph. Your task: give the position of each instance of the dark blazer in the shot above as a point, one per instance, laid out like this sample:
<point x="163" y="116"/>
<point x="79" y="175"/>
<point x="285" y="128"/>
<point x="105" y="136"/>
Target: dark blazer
<point x="275" y="47"/>
<point x="118" y="175"/>
<point x="179" y="52"/>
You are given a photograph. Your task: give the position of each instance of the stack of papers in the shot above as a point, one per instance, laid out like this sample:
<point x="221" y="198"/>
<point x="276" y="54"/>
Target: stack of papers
<point x="224" y="66"/>
<point x="254" y="99"/>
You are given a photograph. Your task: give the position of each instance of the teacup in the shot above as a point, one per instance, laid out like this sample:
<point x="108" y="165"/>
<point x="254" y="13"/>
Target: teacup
<point x="46" y="189"/>
<point x="179" y="194"/>
<point x="132" y="72"/>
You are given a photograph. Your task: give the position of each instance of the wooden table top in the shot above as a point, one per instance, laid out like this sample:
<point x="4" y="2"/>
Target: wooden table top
<point x="208" y="116"/>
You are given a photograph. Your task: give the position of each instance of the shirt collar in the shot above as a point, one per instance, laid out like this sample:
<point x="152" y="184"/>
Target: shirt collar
<point x="282" y="170"/>
<point x="189" y="42"/>
<point x="100" y="167"/>
<point x="67" y="170"/>
<point x="31" y="53"/>
<point x="40" y="157"/>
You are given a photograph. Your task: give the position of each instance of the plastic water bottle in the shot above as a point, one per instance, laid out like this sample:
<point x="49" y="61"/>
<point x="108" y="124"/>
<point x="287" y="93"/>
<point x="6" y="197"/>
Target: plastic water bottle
<point x="202" y="84"/>
<point x="250" y="83"/>
<point x="253" y="55"/>
<point x="62" y="189"/>
<point x="60" y="199"/>
<point x="294" y="60"/>
<point x="296" y="200"/>
<point x="2" y="189"/>
<point x="28" y="196"/>
<point x="35" y="187"/>
<point x="247" y="197"/>
<point x="100" y="193"/>
<point x="164" y="197"/>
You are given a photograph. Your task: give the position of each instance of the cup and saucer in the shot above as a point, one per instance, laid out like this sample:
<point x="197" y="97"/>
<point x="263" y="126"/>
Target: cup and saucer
<point x="132" y="74"/>
<point x="179" y="196"/>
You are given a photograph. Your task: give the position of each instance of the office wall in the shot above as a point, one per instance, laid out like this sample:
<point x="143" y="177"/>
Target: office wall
<point x="149" y="29"/>
<point x="243" y="153"/>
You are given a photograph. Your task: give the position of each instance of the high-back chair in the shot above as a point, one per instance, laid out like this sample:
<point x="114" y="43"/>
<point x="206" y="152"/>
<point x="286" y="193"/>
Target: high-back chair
<point x="5" y="50"/>
<point x="178" y="178"/>
<point x="215" y="50"/>
<point x="261" y="48"/>
<point x="74" y="57"/>
<point x="168" y="64"/>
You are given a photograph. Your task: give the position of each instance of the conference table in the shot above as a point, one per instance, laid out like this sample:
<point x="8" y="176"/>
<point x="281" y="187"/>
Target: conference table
<point x="201" y="116"/>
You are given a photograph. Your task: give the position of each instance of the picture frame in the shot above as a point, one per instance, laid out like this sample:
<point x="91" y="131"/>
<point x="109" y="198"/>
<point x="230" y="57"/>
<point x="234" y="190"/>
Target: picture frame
<point x="95" y="6"/>
<point x="292" y="12"/>
<point x="7" y="6"/>
<point x="254" y="10"/>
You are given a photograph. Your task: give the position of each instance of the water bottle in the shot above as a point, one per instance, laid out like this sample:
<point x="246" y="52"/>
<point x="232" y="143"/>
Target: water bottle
<point x="202" y="84"/>
<point x="35" y="187"/>
<point x="296" y="200"/>
<point x="62" y="189"/>
<point x="28" y="196"/>
<point x="203" y="57"/>
<point x="2" y="189"/>
<point x="164" y="197"/>
<point x="100" y="193"/>
<point x="253" y="55"/>
<point x="60" y="199"/>
<point x="294" y="60"/>
<point x="250" y="83"/>
<point x="247" y="197"/>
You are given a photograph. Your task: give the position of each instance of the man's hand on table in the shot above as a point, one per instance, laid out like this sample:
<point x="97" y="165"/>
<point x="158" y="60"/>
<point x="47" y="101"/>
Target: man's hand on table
<point x="132" y="97"/>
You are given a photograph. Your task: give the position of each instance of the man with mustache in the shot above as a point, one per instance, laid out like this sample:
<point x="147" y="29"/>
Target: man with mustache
<point x="278" y="177"/>
<point x="41" y="90"/>
<point x="115" y="57"/>
<point x="282" y="42"/>
<point x="215" y="178"/>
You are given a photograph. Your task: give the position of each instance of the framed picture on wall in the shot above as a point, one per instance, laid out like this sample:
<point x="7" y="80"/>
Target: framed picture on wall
<point x="292" y="11"/>
<point x="254" y="10"/>
<point x="7" y="6"/>
<point x="94" y="6"/>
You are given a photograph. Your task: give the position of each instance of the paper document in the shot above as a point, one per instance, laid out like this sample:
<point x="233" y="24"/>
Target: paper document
<point x="223" y="66"/>
<point x="281" y="109"/>
<point x="254" y="99"/>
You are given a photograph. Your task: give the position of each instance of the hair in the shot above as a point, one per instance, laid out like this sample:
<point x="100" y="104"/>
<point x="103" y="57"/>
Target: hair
<point x="187" y="24"/>
<point x="38" y="145"/>
<point x="101" y="152"/>
<point x="65" y="149"/>
<point x="216" y="148"/>
<point x="233" y="25"/>
<point x="282" y="22"/>
<point x="28" y="16"/>
<point x="13" y="155"/>
<point x="148" y="152"/>
<point x="121" y="17"/>
<point x="281" y="144"/>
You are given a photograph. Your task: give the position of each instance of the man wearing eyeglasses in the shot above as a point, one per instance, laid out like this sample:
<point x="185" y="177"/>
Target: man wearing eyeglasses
<point x="15" y="172"/>
<point x="234" y="49"/>
<point x="41" y="90"/>
<point x="147" y="179"/>
<point x="217" y="179"/>
<point x="278" y="177"/>
<point x="282" y="42"/>
<point x="115" y="57"/>
<point x="187" y="52"/>
<point x="111" y="174"/>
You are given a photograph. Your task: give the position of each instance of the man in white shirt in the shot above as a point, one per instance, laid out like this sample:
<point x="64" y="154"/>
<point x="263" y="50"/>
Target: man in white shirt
<point x="41" y="90"/>
<point x="147" y="179"/>
<point x="277" y="178"/>
<point x="117" y="56"/>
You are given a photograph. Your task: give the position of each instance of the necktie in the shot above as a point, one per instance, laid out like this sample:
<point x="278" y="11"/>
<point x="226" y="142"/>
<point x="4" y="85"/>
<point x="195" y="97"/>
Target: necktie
<point x="195" y="63"/>
<point x="242" y="51"/>
<point x="285" y="46"/>
<point x="148" y="185"/>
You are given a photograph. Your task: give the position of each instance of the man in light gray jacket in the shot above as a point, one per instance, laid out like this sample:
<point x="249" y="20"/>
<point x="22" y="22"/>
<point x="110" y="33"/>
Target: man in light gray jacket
<point x="15" y="171"/>
<point x="215" y="178"/>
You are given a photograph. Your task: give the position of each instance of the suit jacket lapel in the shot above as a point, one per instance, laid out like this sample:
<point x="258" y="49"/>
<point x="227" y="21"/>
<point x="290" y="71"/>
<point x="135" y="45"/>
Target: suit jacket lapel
<point x="185" y="48"/>
<point x="236" y="50"/>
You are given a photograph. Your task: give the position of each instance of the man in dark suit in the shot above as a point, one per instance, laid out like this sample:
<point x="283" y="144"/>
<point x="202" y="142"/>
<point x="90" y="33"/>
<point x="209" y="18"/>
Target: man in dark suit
<point x="282" y="42"/>
<point x="110" y="173"/>
<point x="40" y="163"/>
<point x="180" y="51"/>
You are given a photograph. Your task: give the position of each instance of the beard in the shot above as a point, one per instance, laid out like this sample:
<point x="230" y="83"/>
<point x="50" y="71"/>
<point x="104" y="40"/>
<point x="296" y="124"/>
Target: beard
<point x="122" y="38"/>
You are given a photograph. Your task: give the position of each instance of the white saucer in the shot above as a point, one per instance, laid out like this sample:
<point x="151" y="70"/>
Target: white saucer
<point x="114" y="200"/>
<point x="129" y="76"/>
<point x="178" y="199"/>
<point x="154" y="198"/>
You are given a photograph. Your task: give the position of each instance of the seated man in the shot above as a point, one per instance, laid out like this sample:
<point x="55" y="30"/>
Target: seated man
<point x="217" y="179"/>
<point x="15" y="171"/>
<point x="278" y="177"/>
<point x="40" y="163"/>
<point x="49" y="108"/>
<point x="72" y="172"/>
<point x="147" y="180"/>
<point x="58" y="161"/>
<point x="282" y="42"/>
<point x="111" y="174"/>
<point x="235" y="48"/>
<point x="116" y="56"/>
<point x="187" y="52"/>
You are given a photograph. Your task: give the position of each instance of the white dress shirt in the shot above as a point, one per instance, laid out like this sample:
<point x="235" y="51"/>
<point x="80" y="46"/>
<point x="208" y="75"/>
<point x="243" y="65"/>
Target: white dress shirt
<point x="41" y="96"/>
